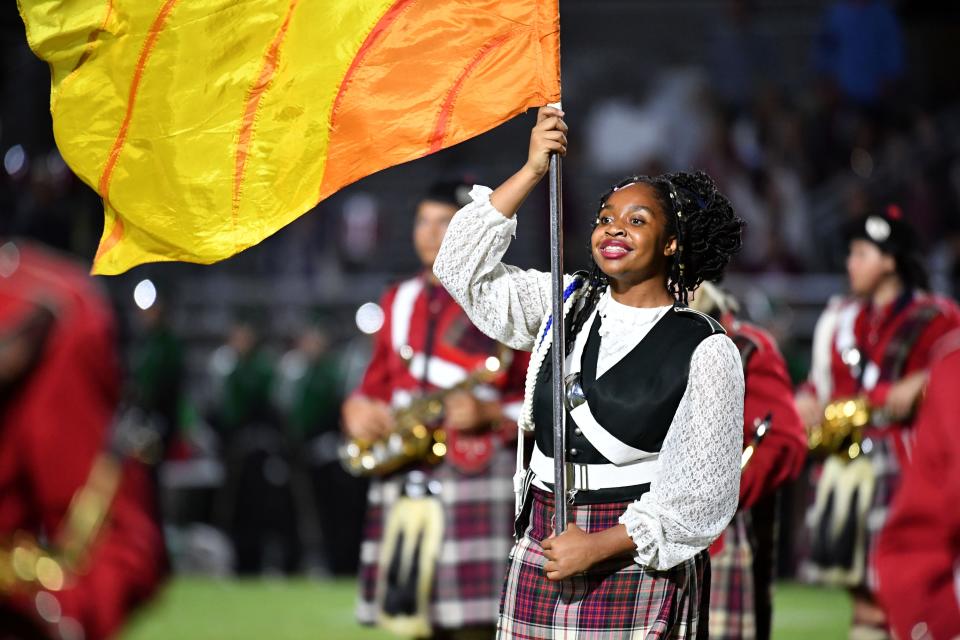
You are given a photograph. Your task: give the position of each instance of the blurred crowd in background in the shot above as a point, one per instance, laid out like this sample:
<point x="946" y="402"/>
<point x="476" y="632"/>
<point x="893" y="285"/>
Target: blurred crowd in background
<point x="808" y="113"/>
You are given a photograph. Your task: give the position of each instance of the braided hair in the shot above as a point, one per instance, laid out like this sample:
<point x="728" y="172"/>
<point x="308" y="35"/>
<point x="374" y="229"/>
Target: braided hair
<point x="707" y="231"/>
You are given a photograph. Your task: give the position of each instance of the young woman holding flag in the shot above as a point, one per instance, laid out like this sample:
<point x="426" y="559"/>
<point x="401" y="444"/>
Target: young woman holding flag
<point x="654" y="401"/>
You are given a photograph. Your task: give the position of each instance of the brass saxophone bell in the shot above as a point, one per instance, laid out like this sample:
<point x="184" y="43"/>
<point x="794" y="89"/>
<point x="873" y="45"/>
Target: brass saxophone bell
<point x="841" y="431"/>
<point x="416" y="438"/>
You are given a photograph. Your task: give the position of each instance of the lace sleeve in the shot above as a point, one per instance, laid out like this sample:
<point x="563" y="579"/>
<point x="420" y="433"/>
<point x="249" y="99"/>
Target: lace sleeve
<point x="506" y="303"/>
<point x="695" y="497"/>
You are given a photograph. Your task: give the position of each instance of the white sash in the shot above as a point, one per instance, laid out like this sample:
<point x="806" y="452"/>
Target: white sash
<point x="609" y="446"/>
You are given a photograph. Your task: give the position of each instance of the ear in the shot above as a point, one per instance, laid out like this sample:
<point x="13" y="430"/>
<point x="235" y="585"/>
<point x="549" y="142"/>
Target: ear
<point x="671" y="246"/>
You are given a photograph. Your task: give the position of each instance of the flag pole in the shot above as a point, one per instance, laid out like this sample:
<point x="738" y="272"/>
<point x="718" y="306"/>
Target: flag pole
<point x="559" y="411"/>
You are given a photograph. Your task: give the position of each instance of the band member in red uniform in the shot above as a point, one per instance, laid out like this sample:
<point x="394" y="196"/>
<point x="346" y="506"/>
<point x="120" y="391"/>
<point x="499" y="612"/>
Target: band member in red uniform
<point x="775" y="445"/>
<point x="918" y="554"/>
<point x="61" y="473"/>
<point x="437" y="537"/>
<point x="881" y="346"/>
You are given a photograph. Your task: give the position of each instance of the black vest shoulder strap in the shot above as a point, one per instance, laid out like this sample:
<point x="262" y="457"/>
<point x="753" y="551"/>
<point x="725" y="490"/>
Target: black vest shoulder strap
<point x="715" y="327"/>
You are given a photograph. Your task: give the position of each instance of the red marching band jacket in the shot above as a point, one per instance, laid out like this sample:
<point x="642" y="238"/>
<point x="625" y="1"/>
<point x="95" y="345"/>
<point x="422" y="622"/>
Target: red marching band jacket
<point x="780" y="455"/>
<point x="918" y="553"/>
<point x="891" y="343"/>
<point x="428" y="343"/>
<point x="54" y="422"/>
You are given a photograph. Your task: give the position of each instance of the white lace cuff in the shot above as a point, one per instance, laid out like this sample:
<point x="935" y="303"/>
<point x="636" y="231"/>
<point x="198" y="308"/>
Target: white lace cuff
<point x="487" y="214"/>
<point x="637" y="519"/>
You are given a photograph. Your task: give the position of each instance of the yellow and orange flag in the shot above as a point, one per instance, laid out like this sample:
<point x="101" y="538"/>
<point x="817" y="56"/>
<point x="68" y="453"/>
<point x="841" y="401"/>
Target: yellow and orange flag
<point x="207" y="125"/>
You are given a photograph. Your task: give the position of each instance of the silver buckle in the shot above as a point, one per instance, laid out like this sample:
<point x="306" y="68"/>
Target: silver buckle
<point x="574" y="396"/>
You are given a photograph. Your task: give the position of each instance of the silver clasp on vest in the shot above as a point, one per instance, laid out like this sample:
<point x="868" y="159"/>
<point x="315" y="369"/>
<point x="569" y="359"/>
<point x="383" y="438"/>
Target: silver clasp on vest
<point x="574" y="396"/>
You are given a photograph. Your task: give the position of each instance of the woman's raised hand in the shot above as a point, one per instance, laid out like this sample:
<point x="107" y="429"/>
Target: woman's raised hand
<point x="549" y="135"/>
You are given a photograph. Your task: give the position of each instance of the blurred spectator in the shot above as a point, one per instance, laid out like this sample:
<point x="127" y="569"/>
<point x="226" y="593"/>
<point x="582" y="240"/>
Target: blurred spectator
<point x="310" y="380"/>
<point x="860" y="50"/>
<point x="246" y="378"/>
<point x="742" y="57"/>
<point x="329" y="502"/>
<point x="669" y="125"/>
<point x="256" y="504"/>
<point x="157" y="367"/>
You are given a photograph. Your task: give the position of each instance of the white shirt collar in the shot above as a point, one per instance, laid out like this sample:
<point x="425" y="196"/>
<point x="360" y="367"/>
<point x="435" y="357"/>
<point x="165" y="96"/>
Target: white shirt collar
<point x="618" y="315"/>
<point x="622" y="328"/>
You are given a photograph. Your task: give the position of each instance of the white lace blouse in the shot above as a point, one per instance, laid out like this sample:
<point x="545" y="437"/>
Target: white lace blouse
<point x="695" y="494"/>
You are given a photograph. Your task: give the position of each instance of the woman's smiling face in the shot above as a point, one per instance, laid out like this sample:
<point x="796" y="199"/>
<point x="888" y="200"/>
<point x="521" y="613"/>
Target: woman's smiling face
<point x="630" y="243"/>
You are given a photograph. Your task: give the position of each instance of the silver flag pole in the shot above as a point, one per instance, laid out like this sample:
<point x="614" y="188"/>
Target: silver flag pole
<point x="559" y="412"/>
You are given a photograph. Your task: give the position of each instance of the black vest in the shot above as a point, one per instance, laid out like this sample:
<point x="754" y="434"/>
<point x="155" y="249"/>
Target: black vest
<point x="635" y="400"/>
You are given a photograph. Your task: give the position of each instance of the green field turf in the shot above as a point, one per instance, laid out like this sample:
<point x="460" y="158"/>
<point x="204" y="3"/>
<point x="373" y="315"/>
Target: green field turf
<point x="203" y="609"/>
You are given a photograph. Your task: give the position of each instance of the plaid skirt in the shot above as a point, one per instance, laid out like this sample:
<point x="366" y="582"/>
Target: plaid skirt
<point x="732" y="596"/>
<point x="614" y="599"/>
<point x="474" y="552"/>
<point x="849" y="510"/>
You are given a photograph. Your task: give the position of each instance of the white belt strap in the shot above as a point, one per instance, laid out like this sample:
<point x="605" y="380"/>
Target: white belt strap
<point x="591" y="477"/>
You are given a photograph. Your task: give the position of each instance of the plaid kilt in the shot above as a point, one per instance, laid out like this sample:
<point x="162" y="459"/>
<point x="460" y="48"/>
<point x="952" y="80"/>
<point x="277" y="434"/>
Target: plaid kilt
<point x="732" y="597"/>
<point x="614" y="599"/>
<point x="477" y="535"/>
<point x="836" y="571"/>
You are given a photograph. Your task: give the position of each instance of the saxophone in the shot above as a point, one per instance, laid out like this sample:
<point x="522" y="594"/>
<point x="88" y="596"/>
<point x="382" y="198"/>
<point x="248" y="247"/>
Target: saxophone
<point x="415" y="438"/>
<point x="841" y="431"/>
<point x="27" y="565"/>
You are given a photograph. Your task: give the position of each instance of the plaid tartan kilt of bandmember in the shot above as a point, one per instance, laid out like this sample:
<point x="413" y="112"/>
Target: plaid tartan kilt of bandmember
<point x="732" y="596"/>
<point x="614" y="600"/>
<point x="473" y="556"/>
